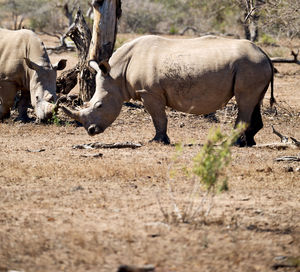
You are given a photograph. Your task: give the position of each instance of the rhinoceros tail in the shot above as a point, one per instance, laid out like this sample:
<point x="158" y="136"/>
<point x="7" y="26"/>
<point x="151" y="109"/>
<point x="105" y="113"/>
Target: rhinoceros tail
<point x="272" y="98"/>
<point x="273" y="70"/>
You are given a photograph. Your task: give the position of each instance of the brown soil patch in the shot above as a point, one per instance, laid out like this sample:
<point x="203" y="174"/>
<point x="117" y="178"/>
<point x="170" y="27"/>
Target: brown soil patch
<point x="61" y="211"/>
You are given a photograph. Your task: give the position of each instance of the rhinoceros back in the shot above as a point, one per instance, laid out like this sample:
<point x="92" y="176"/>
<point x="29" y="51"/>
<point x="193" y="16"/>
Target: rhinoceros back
<point x="14" y="47"/>
<point x="194" y="75"/>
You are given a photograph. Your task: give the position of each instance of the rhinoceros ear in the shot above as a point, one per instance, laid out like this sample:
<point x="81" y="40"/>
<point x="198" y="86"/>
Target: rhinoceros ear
<point x="60" y="65"/>
<point x="93" y="64"/>
<point x="104" y="67"/>
<point x="31" y="64"/>
<point x="98" y="105"/>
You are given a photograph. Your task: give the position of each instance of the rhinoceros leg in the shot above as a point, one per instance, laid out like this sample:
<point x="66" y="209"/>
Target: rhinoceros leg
<point x="4" y="111"/>
<point x="7" y="95"/>
<point x="23" y="105"/>
<point x="155" y="105"/>
<point x="244" y="116"/>
<point x="254" y="124"/>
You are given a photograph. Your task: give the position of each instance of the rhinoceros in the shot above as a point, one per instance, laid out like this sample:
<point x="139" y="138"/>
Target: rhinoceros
<point x="196" y="76"/>
<point x="25" y="67"/>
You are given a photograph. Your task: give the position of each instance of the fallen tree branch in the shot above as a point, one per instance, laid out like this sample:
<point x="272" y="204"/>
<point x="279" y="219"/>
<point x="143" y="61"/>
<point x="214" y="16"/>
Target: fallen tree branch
<point x="284" y="144"/>
<point x="288" y="158"/>
<point x="98" y="155"/>
<point x="194" y="29"/>
<point x="278" y="146"/>
<point x="284" y="60"/>
<point x="133" y="268"/>
<point x="63" y="46"/>
<point x="295" y="142"/>
<point x="101" y="145"/>
<point x="283" y="138"/>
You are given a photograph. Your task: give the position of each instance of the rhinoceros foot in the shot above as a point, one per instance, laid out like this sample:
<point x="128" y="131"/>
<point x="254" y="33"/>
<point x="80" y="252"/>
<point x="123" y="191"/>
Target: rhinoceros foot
<point x="161" y="138"/>
<point x="244" y="141"/>
<point x="23" y="119"/>
<point x="4" y="116"/>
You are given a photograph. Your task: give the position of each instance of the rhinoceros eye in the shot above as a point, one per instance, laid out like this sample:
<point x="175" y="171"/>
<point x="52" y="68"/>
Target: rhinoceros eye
<point x="98" y="105"/>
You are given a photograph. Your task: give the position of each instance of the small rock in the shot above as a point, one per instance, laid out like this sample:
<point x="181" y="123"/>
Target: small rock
<point x="77" y="188"/>
<point x="280" y="258"/>
<point x="258" y="212"/>
<point x="289" y="169"/>
<point x="132" y="268"/>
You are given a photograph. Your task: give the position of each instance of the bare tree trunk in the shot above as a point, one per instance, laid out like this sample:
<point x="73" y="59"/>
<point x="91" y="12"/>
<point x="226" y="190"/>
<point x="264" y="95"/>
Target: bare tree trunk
<point x="251" y="18"/>
<point x="98" y="46"/>
<point x="68" y="13"/>
<point x="104" y="30"/>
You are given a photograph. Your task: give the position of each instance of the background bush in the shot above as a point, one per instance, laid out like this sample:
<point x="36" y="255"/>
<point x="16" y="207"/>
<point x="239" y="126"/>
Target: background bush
<point x="274" y="17"/>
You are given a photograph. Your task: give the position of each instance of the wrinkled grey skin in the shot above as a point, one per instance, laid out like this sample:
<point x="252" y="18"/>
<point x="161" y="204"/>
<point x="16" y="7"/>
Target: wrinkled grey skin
<point x="25" y="67"/>
<point x="195" y="76"/>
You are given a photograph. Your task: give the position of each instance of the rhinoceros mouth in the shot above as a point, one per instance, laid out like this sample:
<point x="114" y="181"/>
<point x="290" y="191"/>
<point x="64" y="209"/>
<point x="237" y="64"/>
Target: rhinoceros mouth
<point x="94" y="129"/>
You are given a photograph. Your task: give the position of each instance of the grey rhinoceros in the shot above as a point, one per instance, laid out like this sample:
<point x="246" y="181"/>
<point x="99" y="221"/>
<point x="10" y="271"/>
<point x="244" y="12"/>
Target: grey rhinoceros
<point x="196" y="76"/>
<point x="25" y="67"/>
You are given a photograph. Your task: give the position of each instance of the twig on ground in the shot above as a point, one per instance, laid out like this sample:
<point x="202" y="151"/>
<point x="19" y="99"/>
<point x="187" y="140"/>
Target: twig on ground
<point x="132" y="268"/>
<point x="295" y="142"/>
<point x="278" y="146"/>
<point x="98" y="155"/>
<point x="283" y="138"/>
<point x="36" y="151"/>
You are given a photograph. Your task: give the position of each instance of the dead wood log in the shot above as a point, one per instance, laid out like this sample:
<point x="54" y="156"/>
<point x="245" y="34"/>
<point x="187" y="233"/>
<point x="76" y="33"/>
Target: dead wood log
<point x="285" y="60"/>
<point x="278" y="146"/>
<point x="97" y="46"/>
<point x="133" y="268"/>
<point x="288" y="158"/>
<point x="110" y="146"/>
<point x="81" y="35"/>
<point x="98" y="155"/>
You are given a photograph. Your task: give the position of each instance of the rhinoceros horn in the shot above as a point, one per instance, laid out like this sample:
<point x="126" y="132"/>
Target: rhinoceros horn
<point x="73" y="114"/>
<point x="52" y="108"/>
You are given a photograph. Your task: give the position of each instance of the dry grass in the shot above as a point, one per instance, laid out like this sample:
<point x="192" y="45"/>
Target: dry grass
<point x="62" y="212"/>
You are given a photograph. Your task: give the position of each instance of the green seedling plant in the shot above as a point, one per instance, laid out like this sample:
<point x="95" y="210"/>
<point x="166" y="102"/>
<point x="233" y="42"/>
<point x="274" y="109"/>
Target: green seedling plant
<point x="55" y="119"/>
<point x="206" y="174"/>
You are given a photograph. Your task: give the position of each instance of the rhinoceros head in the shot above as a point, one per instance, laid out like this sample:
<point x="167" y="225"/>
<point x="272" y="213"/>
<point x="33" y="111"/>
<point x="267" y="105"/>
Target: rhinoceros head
<point x="43" y="87"/>
<point x="104" y="107"/>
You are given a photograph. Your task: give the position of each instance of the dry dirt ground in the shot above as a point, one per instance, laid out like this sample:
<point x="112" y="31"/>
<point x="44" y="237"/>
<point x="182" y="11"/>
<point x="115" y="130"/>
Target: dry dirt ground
<point x="61" y="209"/>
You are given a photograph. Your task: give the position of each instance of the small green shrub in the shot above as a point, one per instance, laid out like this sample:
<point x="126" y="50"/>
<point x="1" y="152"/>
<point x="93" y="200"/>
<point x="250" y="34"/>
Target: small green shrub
<point x="213" y="158"/>
<point x="173" y="30"/>
<point x="55" y="119"/>
<point x="266" y="40"/>
<point x="206" y="175"/>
